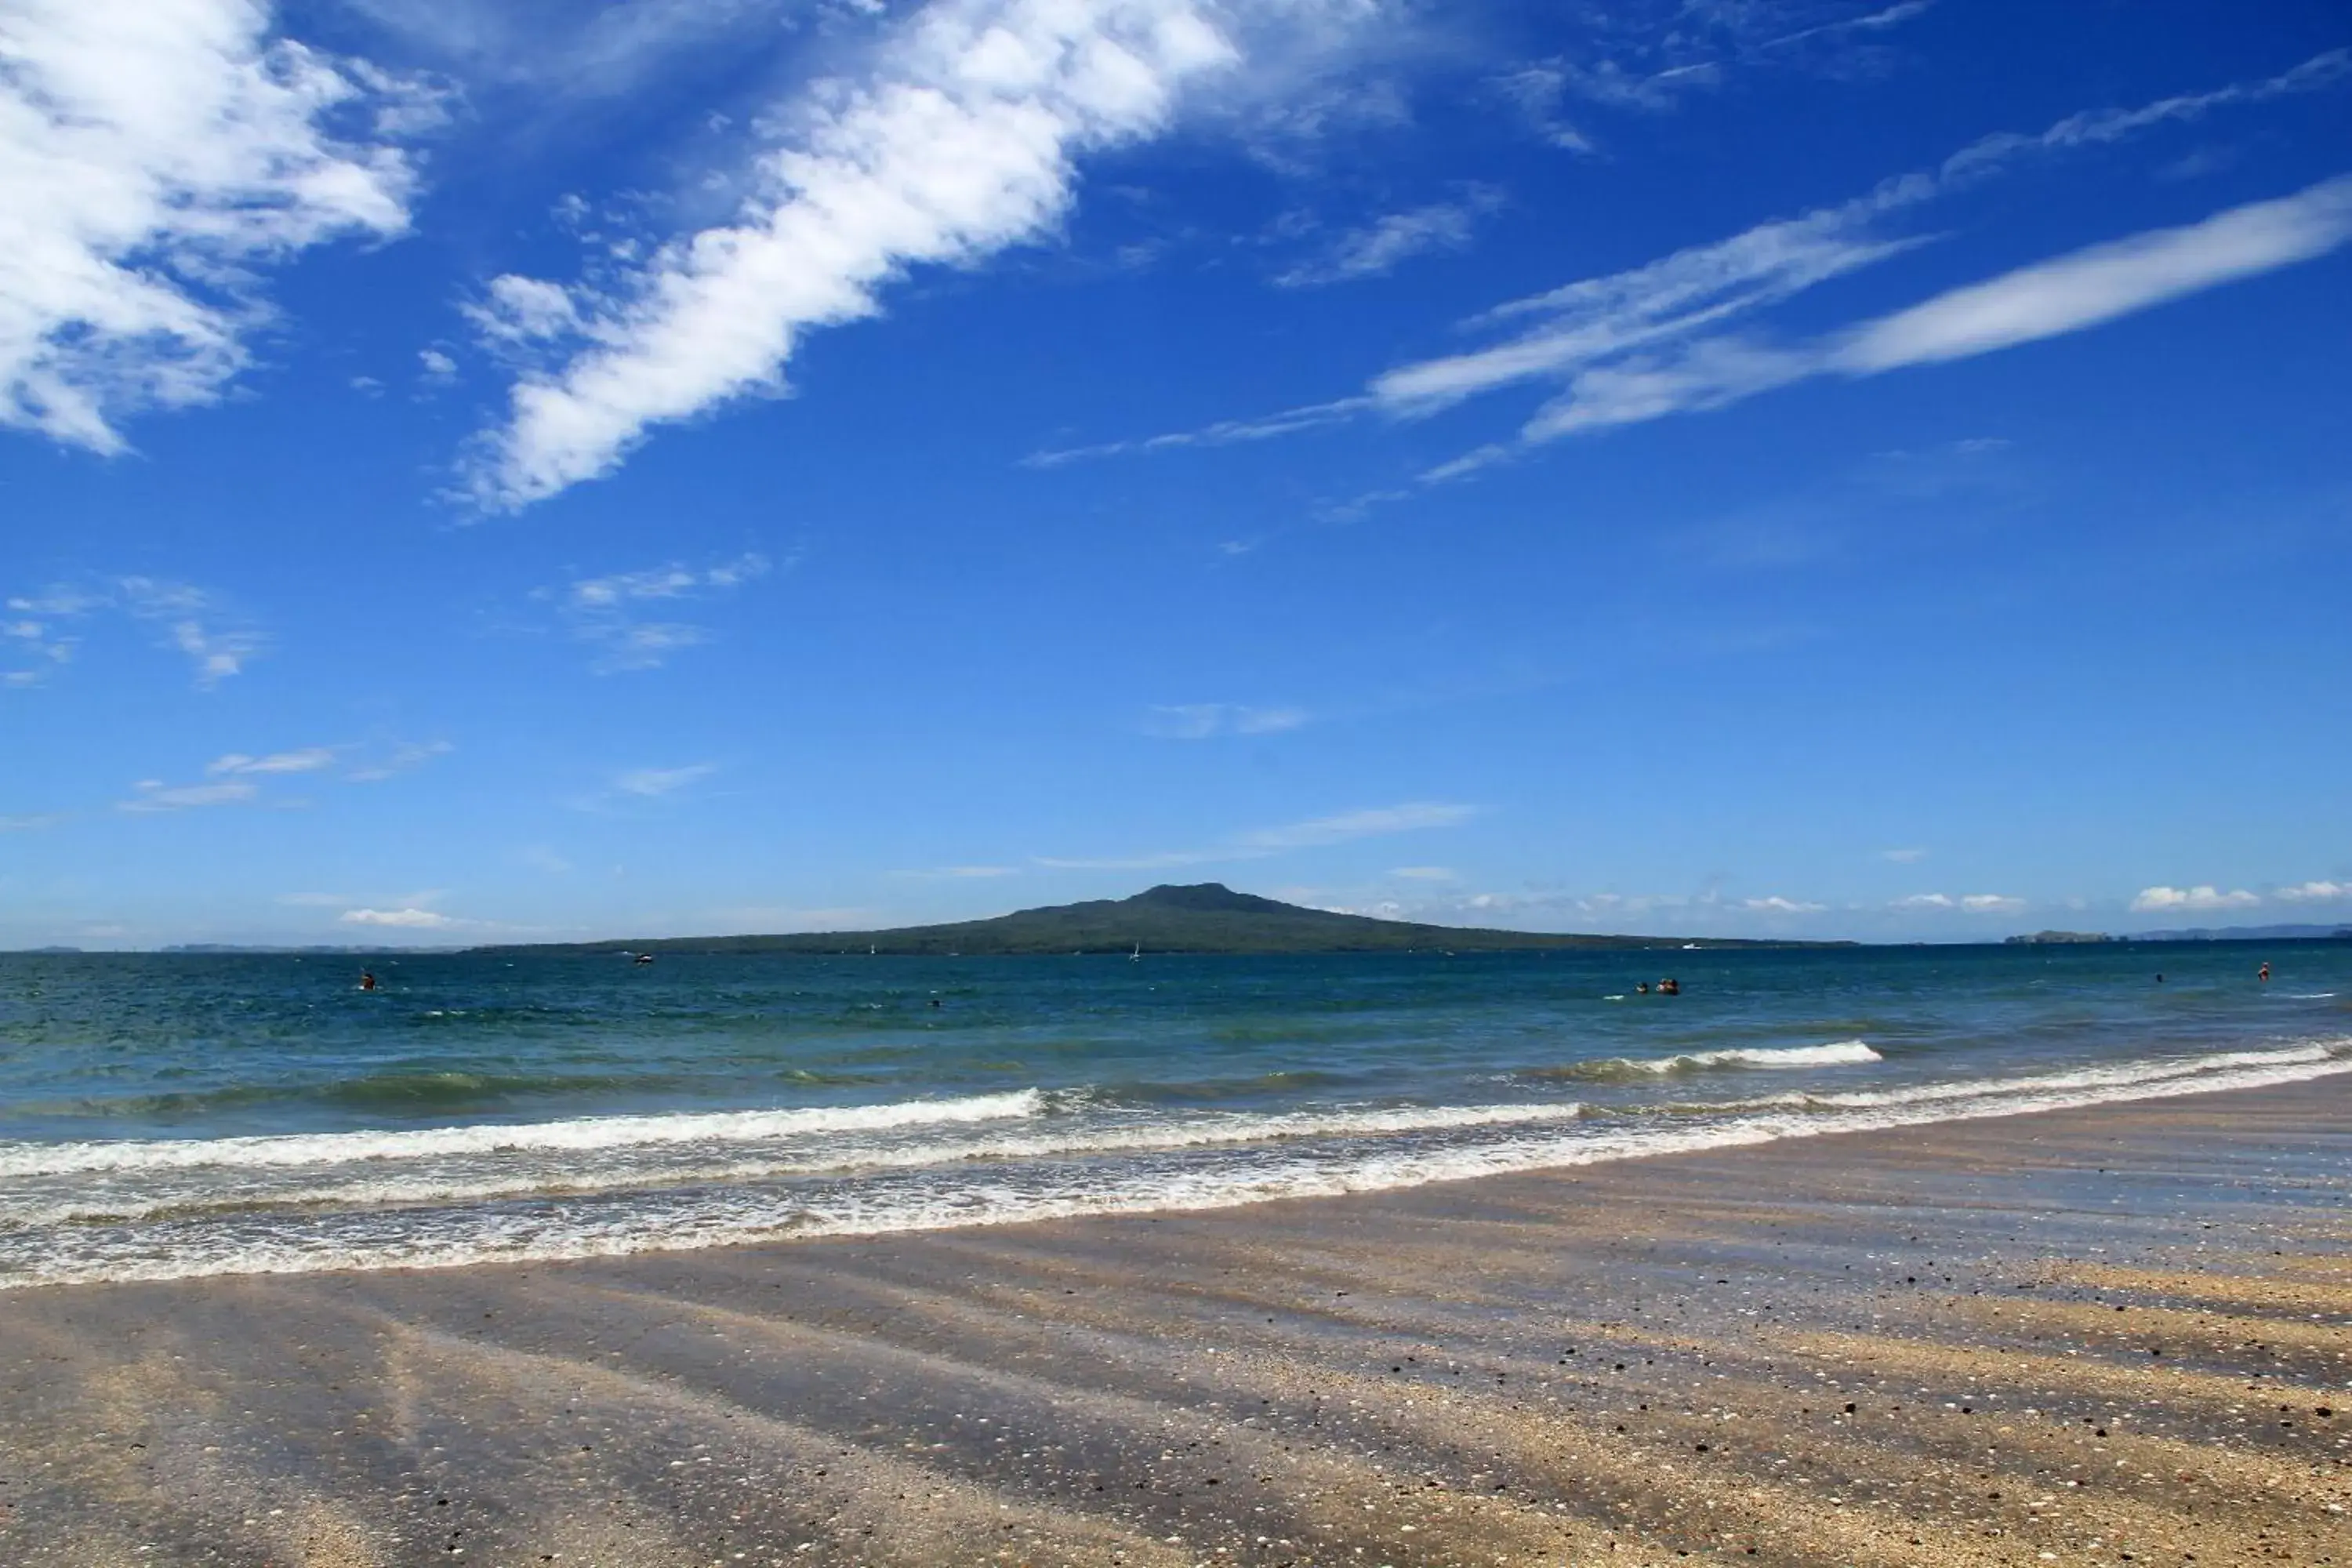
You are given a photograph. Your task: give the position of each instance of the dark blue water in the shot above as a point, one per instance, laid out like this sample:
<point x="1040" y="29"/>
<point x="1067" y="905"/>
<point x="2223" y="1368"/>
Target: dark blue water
<point x="166" y="1115"/>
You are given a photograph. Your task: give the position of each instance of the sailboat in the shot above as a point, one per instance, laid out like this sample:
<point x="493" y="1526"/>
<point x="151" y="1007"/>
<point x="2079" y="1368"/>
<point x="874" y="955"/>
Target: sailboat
<point x="1137" y="956"/>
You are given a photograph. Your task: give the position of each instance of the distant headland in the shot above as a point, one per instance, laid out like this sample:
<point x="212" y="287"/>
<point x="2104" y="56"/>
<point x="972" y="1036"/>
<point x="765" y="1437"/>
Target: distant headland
<point x="1202" y="918"/>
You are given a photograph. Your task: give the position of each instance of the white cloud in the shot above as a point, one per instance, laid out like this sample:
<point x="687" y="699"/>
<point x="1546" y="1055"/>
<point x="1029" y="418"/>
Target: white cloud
<point x="216" y="652"/>
<point x="1590" y="332"/>
<point x="1777" y="905"/>
<point x="1204" y="720"/>
<point x="217" y="655"/>
<point x="38" y="643"/>
<point x="1259" y="842"/>
<point x="2106" y="281"/>
<point x="406" y="920"/>
<point x="521" y="311"/>
<point x="956" y="142"/>
<point x="309" y="760"/>
<point x="652" y="783"/>
<point x="601" y="610"/>
<point x="2314" y="892"/>
<point x="2047" y="300"/>
<point x="187" y="617"/>
<point x="439" y="368"/>
<point x="1924" y="901"/>
<point x="403" y="758"/>
<point x="27" y="824"/>
<point x="2203" y="897"/>
<point x="1992" y="904"/>
<point x="1225" y="433"/>
<point x="670" y="581"/>
<point x="1906" y="856"/>
<point x="1375" y="823"/>
<point x="1377" y="246"/>
<point x="155" y="156"/>
<point x="154" y="795"/>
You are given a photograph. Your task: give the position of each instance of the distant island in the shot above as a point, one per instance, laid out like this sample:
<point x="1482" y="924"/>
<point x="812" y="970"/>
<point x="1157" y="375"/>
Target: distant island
<point x="2246" y="934"/>
<point x="2201" y="934"/>
<point x="363" y="949"/>
<point x="1202" y="918"/>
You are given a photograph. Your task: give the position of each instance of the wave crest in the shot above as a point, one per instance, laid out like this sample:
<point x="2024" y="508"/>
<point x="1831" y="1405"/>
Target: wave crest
<point x="1837" y="1053"/>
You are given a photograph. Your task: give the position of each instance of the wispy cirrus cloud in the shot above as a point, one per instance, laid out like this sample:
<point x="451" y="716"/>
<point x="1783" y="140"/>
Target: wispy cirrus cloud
<point x="1225" y="433"/>
<point x="1381" y="244"/>
<point x="2048" y="299"/>
<point x="1654" y="339"/>
<point x="158" y="159"/>
<point x="1645" y="58"/>
<point x="155" y="795"/>
<point x="47" y="626"/>
<point x="614" y="614"/>
<point x="309" y="760"/>
<point x="1206" y="721"/>
<point x="1257" y="844"/>
<point x="652" y="783"/>
<point x="402" y="757"/>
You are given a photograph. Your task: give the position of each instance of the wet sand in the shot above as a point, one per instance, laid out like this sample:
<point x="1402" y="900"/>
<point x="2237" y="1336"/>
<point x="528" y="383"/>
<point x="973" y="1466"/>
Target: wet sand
<point x="2119" y="1335"/>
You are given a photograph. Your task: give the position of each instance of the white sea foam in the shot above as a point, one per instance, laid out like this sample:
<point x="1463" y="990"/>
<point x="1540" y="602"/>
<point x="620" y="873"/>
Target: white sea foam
<point x="1171" y="1179"/>
<point x="582" y="1135"/>
<point x="2150" y="1074"/>
<point x="1837" y="1053"/>
<point x="483" y="1175"/>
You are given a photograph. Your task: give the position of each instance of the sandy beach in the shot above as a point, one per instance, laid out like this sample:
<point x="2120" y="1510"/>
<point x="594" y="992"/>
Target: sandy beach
<point x="2111" y="1335"/>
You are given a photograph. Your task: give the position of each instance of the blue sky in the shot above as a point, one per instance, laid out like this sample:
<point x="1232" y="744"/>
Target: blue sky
<point x="1723" y="467"/>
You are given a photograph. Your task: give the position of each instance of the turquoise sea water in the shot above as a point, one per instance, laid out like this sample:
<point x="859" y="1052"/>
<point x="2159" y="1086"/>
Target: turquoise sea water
<point x="162" y="1115"/>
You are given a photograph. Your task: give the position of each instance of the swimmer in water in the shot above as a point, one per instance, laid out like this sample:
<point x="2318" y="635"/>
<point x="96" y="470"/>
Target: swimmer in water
<point x="367" y="979"/>
<point x="1643" y="988"/>
<point x="2264" y="975"/>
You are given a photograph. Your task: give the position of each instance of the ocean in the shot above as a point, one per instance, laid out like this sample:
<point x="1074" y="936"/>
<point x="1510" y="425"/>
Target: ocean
<point x="169" y="1116"/>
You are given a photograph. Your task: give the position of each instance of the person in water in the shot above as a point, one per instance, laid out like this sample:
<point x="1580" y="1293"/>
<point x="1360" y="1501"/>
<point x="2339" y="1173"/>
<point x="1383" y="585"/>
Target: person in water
<point x="2264" y="975"/>
<point x="1670" y="987"/>
<point x="1642" y="988"/>
<point x="367" y="979"/>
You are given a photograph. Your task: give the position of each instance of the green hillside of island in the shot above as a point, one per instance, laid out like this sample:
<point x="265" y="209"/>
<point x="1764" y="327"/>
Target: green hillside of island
<point x="1205" y="918"/>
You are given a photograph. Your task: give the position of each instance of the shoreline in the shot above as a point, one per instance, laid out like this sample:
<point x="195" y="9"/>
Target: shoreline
<point x="1887" y="1346"/>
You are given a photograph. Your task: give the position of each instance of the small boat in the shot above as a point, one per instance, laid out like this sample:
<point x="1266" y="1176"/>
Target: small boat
<point x="643" y="958"/>
<point x="1137" y="956"/>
